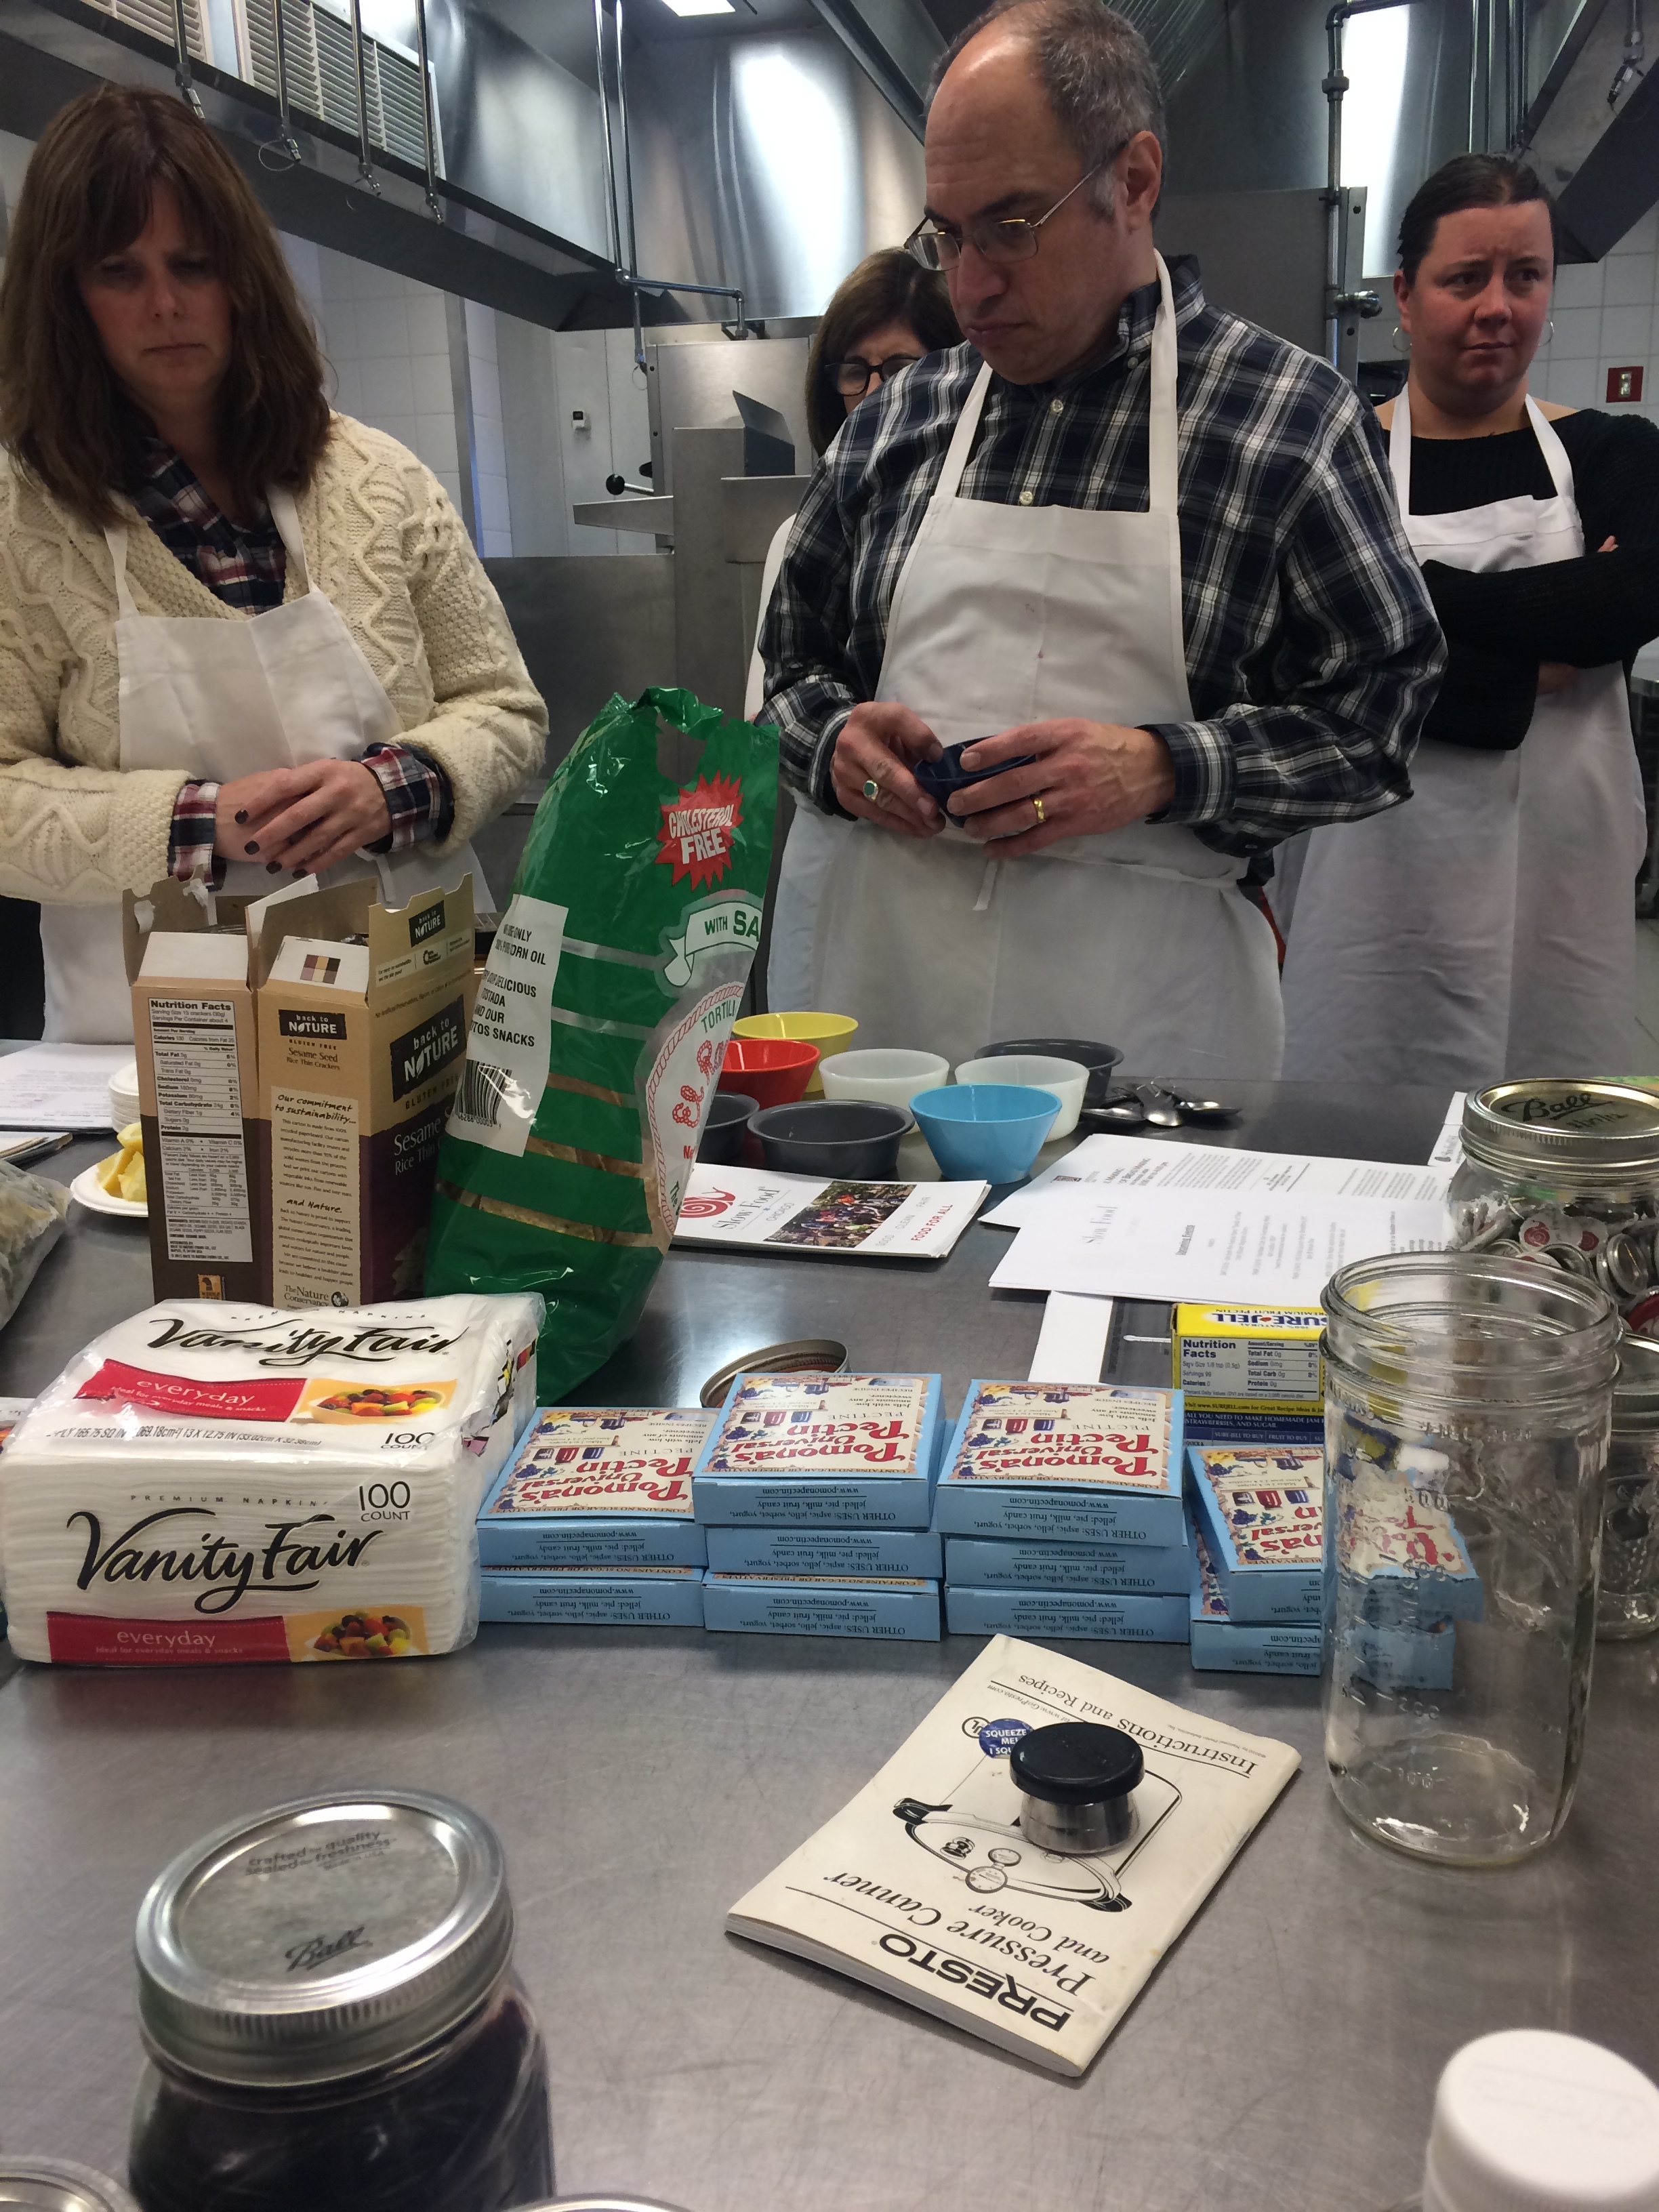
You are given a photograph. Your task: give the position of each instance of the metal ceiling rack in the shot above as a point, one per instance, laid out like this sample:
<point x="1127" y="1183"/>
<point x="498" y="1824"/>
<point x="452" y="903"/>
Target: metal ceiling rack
<point x="627" y="270"/>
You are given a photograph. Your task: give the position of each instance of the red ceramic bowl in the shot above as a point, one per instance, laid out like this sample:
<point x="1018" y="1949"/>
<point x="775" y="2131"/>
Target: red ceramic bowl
<point x="775" y="1070"/>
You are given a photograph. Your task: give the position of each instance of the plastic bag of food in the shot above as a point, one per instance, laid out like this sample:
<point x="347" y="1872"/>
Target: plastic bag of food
<point x="32" y="1213"/>
<point x="602" y="1020"/>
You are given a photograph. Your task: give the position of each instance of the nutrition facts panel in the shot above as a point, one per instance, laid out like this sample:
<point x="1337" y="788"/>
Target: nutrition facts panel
<point x="198" y="1112"/>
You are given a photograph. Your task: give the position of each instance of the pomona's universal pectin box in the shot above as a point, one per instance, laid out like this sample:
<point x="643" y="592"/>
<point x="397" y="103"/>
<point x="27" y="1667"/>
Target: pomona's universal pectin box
<point x="1224" y="1646"/>
<point x="1104" y="1614"/>
<point x="900" y="1608"/>
<point x="1133" y="1571"/>
<point x="1250" y="1374"/>
<point x="601" y="1487"/>
<point x="1261" y="1509"/>
<point x="822" y="1451"/>
<point x="643" y="1597"/>
<point x="1067" y="1462"/>
<point x="840" y="1554"/>
<point x="210" y="1482"/>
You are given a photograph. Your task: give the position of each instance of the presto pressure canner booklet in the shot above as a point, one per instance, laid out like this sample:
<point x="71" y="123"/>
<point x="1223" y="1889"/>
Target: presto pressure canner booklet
<point x="926" y="1886"/>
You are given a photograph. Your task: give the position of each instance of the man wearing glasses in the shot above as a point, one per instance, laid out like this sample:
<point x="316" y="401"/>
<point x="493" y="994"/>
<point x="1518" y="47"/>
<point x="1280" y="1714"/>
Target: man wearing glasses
<point x="1129" y="542"/>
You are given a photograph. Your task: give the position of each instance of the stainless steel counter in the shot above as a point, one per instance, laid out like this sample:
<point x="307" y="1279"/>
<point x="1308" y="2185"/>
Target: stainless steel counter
<point x="1283" y="2057"/>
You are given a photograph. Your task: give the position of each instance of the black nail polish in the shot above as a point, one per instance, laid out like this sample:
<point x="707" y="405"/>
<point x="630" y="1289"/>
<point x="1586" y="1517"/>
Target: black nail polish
<point x="273" y="868"/>
<point x="250" y="848"/>
<point x="241" y="814"/>
<point x="301" y="872"/>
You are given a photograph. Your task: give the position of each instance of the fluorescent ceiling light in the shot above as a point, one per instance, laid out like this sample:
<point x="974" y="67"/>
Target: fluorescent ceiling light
<point x="701" y="7"/>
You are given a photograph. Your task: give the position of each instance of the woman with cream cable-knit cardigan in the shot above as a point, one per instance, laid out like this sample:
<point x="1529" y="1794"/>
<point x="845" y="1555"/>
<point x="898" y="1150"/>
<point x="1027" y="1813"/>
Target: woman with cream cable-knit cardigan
<point x="242" y="639"/>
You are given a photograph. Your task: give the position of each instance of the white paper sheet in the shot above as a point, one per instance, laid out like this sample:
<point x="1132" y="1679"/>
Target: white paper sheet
<point x="754" y="1207"/>
<point x="1165" y="1164"/>
<point x="1071" y="1346"/>
<point x="1449" y="1145"/>
<point x="1268" y="1249"/>
<point x="59" y="1086"/>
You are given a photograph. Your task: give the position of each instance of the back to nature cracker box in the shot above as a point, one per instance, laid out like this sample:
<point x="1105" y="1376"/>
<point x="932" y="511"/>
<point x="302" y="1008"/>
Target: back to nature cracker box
<point x="1078" y="1462"/>
<point x="823" y="1451"/>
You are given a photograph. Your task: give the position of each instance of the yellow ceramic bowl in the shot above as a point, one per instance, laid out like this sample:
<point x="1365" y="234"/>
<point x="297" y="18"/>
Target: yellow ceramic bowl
<point x="830" y="1032"/>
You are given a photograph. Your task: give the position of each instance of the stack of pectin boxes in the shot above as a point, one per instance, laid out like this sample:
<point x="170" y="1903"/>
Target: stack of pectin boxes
<point x="592" y="1522"/>
<point x="1258" y="1550"/>
<point x="1253" y="1388"/>
<point x="1060" y="1508"/>
<point x="815" y="1494"/>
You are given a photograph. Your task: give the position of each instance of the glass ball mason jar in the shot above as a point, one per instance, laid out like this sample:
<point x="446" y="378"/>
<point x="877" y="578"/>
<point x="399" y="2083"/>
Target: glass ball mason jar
<point x="1628" y="1605"/>
<point x="332" y="2019"/>
<point x="1567" y="1172"/>
<point x="1467" y="1410"/>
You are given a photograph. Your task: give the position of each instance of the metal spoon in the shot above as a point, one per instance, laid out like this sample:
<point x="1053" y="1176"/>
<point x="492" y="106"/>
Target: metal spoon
<point x="1201" y="1110"/>
<point x="1118" y="1114"/>
<point x="1162" y="1109"/>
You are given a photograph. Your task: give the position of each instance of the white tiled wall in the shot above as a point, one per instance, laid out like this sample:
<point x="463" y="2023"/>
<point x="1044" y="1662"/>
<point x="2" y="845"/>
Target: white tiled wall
<point x="489" y="433"/>
<point x="1607" y="316"/>
<point x="387" y="341"/>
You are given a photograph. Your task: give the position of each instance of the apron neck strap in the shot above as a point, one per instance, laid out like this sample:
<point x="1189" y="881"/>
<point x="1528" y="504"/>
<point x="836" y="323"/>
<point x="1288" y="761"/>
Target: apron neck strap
<point x="283" y="512"/>
<point x="1162" y="463"/>
<point x="1399" y="448"/>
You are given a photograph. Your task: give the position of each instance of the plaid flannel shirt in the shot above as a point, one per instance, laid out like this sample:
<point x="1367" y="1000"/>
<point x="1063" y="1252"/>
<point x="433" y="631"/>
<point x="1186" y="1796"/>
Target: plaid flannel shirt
<point x="1312" y="650"/>
<point x="248" y="567"/>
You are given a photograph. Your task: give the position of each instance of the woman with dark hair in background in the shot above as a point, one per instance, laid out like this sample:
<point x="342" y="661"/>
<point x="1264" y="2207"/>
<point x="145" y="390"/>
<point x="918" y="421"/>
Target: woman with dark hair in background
<point x="242" y="639"/>
<point x="1486" y="927"/>
<point x="889" y="313"/>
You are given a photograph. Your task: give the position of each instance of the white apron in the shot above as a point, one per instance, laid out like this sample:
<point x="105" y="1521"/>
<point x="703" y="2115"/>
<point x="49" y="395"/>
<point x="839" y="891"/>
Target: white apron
<point x="1005" y="615"/>
<point x="1486" y="927"/>
<point x="221" y="699"/>
<point x="808" y="848"/>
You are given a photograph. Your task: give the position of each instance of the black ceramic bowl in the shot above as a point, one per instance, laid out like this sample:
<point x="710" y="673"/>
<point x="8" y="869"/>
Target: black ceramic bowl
<point x="722" y="1133"/>
<point x="1099" y="1059"/>
<point x="853" y="1137"/>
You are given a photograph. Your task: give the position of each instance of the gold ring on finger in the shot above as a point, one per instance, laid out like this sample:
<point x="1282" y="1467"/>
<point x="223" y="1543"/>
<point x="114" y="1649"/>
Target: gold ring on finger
<point x="871" y="788"/>
<point x="1040" y="816"/>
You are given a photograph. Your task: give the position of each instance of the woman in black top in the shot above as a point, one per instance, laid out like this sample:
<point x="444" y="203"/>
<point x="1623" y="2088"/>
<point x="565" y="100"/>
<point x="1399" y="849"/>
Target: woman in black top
<point x="1486" y="927"/>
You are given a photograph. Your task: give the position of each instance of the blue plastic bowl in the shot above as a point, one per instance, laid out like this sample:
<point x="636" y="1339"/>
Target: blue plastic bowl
<point x="985" y="1132"/>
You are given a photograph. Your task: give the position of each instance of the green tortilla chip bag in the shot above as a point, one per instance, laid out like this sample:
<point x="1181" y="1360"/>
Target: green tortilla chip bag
<point x="602" y="1019"/>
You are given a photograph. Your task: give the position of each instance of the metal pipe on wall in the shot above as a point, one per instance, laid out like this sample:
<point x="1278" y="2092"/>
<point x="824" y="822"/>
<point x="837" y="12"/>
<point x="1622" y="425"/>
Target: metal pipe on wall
<point x="1340" y="299"/>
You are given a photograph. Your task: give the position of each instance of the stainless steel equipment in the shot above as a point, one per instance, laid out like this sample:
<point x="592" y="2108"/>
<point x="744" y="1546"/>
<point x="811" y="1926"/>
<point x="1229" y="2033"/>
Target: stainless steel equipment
<point x="701" y="2069"/>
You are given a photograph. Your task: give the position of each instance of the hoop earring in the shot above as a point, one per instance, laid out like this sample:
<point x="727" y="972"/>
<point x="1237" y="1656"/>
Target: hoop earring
<point x="1403" y="352"/>
<point x="1549" y="336"/>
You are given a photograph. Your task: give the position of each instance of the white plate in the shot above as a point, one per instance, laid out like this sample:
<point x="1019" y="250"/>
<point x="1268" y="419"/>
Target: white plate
<point x="86" y="1187"/>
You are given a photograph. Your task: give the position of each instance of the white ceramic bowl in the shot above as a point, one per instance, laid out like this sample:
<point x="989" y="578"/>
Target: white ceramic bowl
<point x="892" y="1079"/>
<point x="1066" y="1079"/>
<point x="123" y="1095"/>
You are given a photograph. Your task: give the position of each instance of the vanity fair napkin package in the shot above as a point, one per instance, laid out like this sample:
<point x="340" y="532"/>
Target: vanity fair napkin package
<point x="211" y="1481"/>
<point x="925" y="1886"/>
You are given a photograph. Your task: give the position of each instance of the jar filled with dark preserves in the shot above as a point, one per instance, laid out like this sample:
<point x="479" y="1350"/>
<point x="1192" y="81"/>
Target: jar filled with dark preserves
<point x="332" y="2020"/>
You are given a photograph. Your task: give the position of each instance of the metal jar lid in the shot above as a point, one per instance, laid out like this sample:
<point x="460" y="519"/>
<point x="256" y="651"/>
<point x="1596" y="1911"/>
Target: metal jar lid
<point x="1589" y="1131"/>
<point x="802" y="1355"/>
<point x="324" y="1938"/>
<point x="1636" y="1392"/>
<point x="53" y="2184"/>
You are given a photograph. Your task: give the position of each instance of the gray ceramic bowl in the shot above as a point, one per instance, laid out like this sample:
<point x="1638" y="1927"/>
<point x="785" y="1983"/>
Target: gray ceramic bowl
<point x="723" y="1132"/>
<point x="1100" y="1059"/>
<point x="857" y="1138"/>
